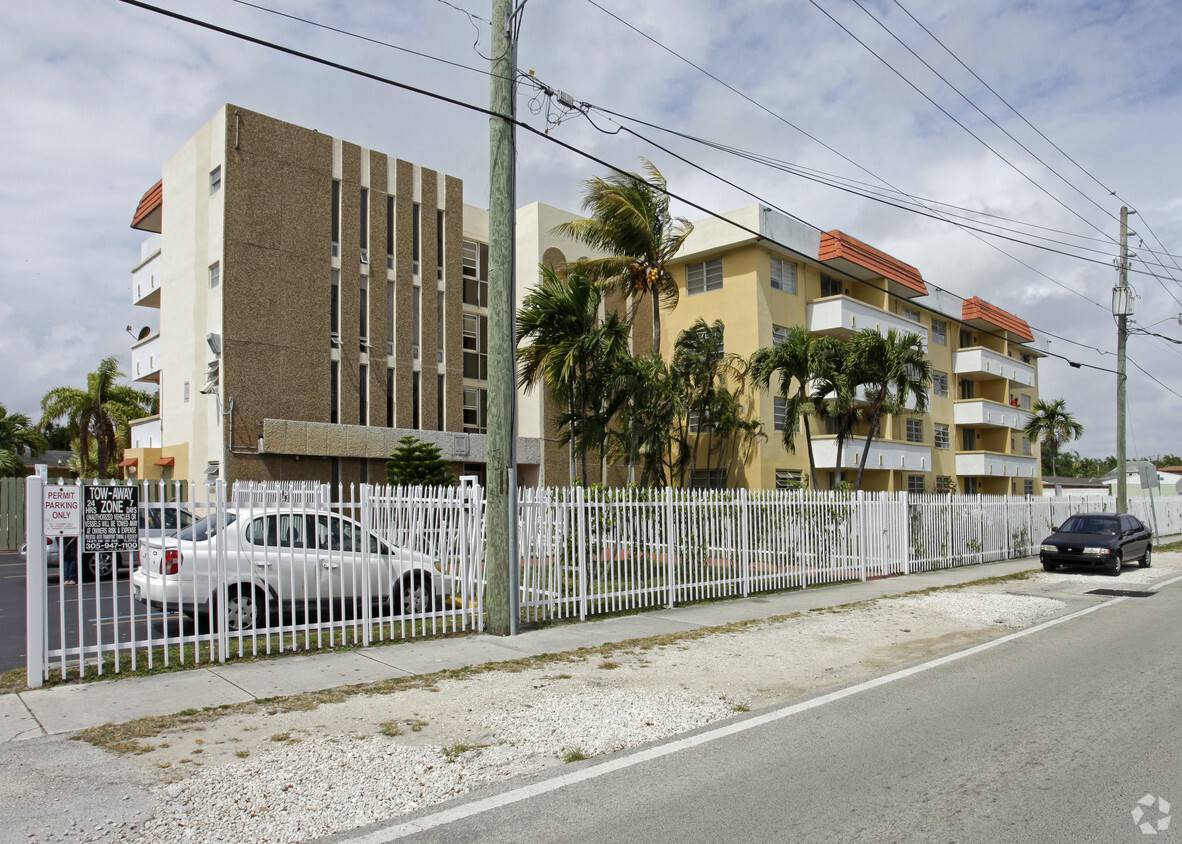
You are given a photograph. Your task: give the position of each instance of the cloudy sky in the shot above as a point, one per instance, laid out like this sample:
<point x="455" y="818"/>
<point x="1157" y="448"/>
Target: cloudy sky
<point x="98" y="93"/>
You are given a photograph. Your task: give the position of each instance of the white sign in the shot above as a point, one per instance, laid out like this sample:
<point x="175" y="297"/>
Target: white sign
<point x="61" y="510"/>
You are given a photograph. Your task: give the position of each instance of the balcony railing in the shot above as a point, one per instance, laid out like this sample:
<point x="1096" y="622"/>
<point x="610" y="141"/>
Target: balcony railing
<point x="145" y="359"/>
<point x="982" y="361"/>
<point x="995" y="465"/>
<point x="145" y="281"/>
<point x="842" y="316"/>
<point x="884" y="454"/>
<point x="978" y="412"/>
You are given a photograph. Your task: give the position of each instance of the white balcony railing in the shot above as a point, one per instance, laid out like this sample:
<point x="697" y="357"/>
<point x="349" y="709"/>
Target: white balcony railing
<point x="146" y="432"/>
<point x="842" y="316"/>
<point x="978" y="412"/>
<point x="884" y="454"/>
<point x="145" y="359"/>
<point x="145" y="281"/>
<point x="995" y="465"/>
<point x="982" y="361"/>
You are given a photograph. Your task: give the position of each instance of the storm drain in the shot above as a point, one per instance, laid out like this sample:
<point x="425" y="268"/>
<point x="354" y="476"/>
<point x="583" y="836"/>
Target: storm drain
<point x="1122" y="593"/>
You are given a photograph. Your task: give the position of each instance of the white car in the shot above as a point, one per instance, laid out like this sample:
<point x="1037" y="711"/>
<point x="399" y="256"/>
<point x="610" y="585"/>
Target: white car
<point x="290" y="564"/>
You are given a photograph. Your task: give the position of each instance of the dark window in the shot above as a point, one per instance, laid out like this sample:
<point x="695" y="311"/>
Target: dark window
<point x="389" y="317"/>
<point x="334" y="308"/>
<point x="334" y="391"/>
<point x="363" y="313"/>
<point x="336" y="214"/>
<point x="475" y="346"/>
<point x="414" y="401"/>
<point x="475" y="274"/>
<point x="439" y="404"/>
<point x="364" y="223"/>
<point x="830" y="286"/>
<point x="389" y="398"/>
<point x="389" y="232"/>
<point x="439" y="242"/>
<point x="414" y="236"/>
<point x="475" y="408"/>
<point x="363" y="395"/>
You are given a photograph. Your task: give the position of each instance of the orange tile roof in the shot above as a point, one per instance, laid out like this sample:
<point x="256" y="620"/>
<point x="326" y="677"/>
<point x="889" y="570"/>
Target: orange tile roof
<point x="148" y="212"/>
<point x="978" y="309"/>
<point x="836" y="244"/>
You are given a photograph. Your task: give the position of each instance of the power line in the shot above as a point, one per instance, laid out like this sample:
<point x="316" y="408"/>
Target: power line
<point x="482" y="110"/>
<point x="1146" y="373"/>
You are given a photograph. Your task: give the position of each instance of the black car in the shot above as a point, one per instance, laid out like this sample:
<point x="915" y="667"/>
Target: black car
<point x="1104" y="540"/>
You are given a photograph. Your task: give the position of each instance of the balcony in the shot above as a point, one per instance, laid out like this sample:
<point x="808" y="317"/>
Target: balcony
<point x="843" y="317"/>
<point x="980" y="413"/>
<point x="145" y="277"/>
<point x="991" y="464"/>
<point x="145" y="359"/>
<point x="146" y="432"/>
<point x="884" y="454"/>
<point x="984" y="363"/>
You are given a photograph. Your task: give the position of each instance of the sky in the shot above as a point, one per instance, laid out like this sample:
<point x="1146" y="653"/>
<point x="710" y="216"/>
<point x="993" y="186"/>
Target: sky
<point x="97" y="94"/>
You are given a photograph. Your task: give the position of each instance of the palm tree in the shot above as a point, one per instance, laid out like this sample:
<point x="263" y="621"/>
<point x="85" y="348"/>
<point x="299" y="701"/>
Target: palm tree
<point x="573" y="352"/>
<point x="651" y="429"/>
<point x="835" y="383"/>
<point x="1055" y="424"/>
<point x="630" y="221"/>
<point x="793" y="359"/>
<point x="17" y="434"/>
<point x="100" y="413"/>
<point x="893" y="369"/>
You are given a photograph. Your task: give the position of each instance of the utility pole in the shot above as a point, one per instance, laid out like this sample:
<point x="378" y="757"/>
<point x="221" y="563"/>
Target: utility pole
<point x="500" y="597"/>
<point x="1121" y="308"/>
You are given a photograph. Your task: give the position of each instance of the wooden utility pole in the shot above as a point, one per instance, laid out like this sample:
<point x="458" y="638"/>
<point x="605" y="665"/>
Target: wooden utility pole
<point x="1121" y="308"/>
<point x="500" y="597"/>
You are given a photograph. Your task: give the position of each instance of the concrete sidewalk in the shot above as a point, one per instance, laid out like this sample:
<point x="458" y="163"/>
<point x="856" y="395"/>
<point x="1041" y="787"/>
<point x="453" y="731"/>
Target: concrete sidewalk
<point x="64" y="709"/>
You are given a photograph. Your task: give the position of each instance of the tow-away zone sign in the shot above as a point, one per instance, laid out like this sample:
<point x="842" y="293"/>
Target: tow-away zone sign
<point x="110" y="518"/>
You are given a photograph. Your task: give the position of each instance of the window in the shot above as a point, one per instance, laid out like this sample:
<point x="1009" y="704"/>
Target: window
<point x="915" y="484"/>
<point x="334" y="391"/>
<point x="475" y="346"/>
<point x="363" y="227"/>
<point x="215" y="180"/>
<point x="439" y="396"/>
<point x="693" y="422"/>
<point x="363" y="395"/>
<point x="336" y="218"/>
<point x="787" y="479"/>
<point x="475" y="274"/>
<point x="475" y="406"/>
<point x="389" y="398"/>
<point x="186" y="391"/>
<point x="703" y="277"/>
<point x="416" y="322"/>
<point x="415" y="232"/>
<point x="335" y="472"/>
<point x="969" y="439"/>
<point x="439" y="329"/>
<point x="1025" y="358"/>
<point x="389" y="232"/>
<point x="783" y="275"/>
<point x="940" y="383"/>
<point x="831" y="286"/>
<point x="779" y="413"/>
<point x="1025" y="402"/>
<point x="914" y="430"/>
<point x="365" y="479"/>
<point x="967" y="391"/>
<point x="439" y="245"/>
<point x="945" y="485"/>
<point x="941" y="436"/>
<point x="911" y="313"/>
<point x="416" y="419"/>
<point x="970" y="486"/>
<point x="363" y="314"/>
<point x="1026" y="447"/>
<point x="779" y="335"/>
<point x="966" y="338"/>
<point x="708" y="479"/>
<point x="215" y="275"/>
<point x="334" y="308"/>
<point x="939" y="332"/>
<point x="1028" y="486"/>
<point x="389" y="318"/>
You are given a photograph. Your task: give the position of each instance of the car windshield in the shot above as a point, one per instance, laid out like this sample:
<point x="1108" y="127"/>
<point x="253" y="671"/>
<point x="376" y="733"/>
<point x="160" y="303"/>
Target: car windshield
<point x="1090" y="524"/>
<point x="203" y="529"/>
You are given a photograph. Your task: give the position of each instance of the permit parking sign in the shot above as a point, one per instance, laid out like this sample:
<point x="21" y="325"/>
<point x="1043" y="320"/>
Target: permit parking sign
<point x="110" y="518"/>
<point x="61" y="510"/>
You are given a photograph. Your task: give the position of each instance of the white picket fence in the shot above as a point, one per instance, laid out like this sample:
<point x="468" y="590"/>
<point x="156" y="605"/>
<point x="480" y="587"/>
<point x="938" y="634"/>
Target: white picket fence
<point x="583" y="553"/>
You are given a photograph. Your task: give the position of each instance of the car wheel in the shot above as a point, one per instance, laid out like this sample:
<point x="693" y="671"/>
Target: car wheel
<point x="1047" y="565"/>
<point x="1114" y="569"/>
<point x="244" y="609"/>
<point x="1147" y="560"/>
<point x="420" y="597"/>
<point x="96" y="566"/>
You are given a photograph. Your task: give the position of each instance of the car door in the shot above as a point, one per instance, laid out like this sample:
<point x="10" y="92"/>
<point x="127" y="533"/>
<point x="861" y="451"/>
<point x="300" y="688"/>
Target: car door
<point x="280" y="558"/>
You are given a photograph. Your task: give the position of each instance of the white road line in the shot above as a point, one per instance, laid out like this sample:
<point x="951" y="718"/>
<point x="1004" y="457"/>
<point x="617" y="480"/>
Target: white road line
<point x="618" y="763"/>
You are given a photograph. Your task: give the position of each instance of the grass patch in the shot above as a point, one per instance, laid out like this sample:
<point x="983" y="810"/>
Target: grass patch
<point x="575" y="755"/>
<point x="241" y="754"/>
<point x="281" y="737"/>
<point x="1172" y="546"/>
<point x="453" y="753"/>
<point x="391" y="728"/>
<point x="608" y="665"/>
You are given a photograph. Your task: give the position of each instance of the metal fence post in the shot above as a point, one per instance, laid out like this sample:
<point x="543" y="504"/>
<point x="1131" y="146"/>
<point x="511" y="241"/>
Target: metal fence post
<point x="581" y="527"/>
<point x="905" y="510"/>
<point x="745" y="529"/>
<point x="366" y="562"/>
<point x="35" y="585"/>
<point x="670" y="565"/>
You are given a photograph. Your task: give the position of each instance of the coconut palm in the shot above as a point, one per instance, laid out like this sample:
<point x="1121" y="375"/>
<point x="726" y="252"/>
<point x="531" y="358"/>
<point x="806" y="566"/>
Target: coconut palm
<point x="17" y="434"/>
<point x="835" y="386"/>
<point x="573" y="352"/>
<point x="630" y="221"/>
<point x="893" y="369"/>
<point x="793" y="359"/>
<point x="1055" y="424"/>
<point x="101" y="414"/>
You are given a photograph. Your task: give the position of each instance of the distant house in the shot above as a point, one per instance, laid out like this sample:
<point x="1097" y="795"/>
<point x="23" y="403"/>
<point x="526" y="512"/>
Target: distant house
<point x="1073" y="486"/>
<point x="57" y="461"/>
<point x="1169" y="482"/>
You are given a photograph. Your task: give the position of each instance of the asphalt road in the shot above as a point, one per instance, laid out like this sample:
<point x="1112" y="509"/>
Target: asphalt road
<point x="1052" y="736"/>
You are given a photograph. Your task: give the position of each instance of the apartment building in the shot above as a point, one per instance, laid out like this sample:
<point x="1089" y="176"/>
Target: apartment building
<point x="762" y="273"/>
<point x="316" y="302"/>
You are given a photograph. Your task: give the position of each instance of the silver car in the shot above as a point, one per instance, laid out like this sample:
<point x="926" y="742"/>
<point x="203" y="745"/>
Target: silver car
<point x="284" y="564"/>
